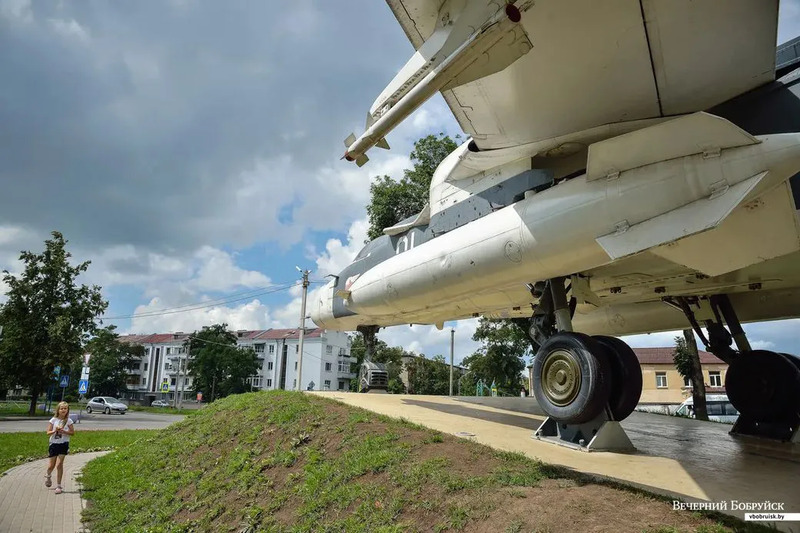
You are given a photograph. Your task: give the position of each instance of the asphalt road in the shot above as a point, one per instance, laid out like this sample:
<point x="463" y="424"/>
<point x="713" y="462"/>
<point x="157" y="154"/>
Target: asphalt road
<point x="97" y="421"/>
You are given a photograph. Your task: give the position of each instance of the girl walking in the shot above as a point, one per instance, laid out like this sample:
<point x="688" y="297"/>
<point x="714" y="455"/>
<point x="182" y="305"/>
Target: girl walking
<point x="59" y="429"/>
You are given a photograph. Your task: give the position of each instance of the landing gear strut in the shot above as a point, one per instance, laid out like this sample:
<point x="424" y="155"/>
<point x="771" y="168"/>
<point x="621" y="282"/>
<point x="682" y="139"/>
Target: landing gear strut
<point x="763" y="386"/>
<point x="585" y="385"/>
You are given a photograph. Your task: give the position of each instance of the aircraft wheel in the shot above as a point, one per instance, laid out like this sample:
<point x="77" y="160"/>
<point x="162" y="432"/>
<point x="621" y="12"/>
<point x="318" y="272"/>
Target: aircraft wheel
<point x="764" y="385"/>
<point x="571" y="377"/>
<point x="626" y="377"/>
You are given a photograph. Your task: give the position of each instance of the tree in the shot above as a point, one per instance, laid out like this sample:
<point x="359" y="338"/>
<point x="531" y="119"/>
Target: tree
<point x="111" y="362"/>
<point x="216" y="364"/>
<point x="429" y="376"/>
<point x="47" y="318"/>
<point x="687" y="361"/>
<point x="500" y="359"/>
<point x="391" y="201"/>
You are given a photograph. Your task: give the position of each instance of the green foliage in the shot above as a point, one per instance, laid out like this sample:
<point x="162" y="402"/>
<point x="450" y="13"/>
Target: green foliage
<point x="216" y="364"/>
<point x="111" y="362"/>
<point x="47" y="318"/>
<point x="429" y="376"/>
<point x="500" y="359"/>
<point x="683" y="358"/>
<point x="391" y="201"/>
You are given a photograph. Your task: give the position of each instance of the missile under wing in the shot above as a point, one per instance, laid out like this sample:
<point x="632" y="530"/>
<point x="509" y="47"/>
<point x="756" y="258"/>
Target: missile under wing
<point x="629" y="169"/>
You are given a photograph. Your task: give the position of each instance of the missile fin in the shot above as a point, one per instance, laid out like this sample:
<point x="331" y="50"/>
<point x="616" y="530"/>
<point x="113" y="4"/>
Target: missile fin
<point x="382" y="144"/>
<point x="349" y="140"/>
<point x="688" y="135"/>
<point x="362" y="160"/>
<point x="696" y="217"/>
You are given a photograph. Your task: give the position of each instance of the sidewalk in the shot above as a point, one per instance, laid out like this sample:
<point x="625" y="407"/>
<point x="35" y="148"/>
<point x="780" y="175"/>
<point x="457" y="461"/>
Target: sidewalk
<point x="26" y="505"/>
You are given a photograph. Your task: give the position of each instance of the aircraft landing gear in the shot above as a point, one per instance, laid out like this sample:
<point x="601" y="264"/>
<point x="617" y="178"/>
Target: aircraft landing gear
<point x="585" y="385"/>
<point x="763" y="386"/>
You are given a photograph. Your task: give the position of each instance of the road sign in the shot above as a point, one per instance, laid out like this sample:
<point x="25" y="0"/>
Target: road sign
<point x="165" y="386"/>
<point x="56" y="372"/>
<point x="83" y="386"/>
<point x="64" y="381"/>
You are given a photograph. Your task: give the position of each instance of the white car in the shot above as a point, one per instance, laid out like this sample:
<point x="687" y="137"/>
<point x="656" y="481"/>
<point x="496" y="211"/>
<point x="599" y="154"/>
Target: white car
<point x="718" y="407"/>
<point x="106" y="404"/>
<point x="160" y="403"/>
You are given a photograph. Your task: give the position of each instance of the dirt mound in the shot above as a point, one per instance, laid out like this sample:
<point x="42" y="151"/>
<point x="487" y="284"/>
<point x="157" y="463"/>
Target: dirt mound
<point x="281" y="461"/>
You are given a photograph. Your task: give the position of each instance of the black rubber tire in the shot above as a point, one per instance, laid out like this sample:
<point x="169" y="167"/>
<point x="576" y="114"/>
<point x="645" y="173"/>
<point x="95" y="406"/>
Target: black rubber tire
<point x="595" y="384"/>
<point x="764" y="385"/>
<point x="88" y="409"/>
<point x="107" y="411"/>
<point x="626" y="377"/>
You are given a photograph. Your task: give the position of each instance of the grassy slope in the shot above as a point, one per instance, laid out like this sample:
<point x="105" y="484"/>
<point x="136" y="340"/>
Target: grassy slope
<point x="18" y="448"/>
<point x="284" y="461"/>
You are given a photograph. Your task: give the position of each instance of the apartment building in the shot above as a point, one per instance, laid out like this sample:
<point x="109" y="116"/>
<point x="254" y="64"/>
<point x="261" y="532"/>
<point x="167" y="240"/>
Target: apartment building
<point x="161" y="373"/>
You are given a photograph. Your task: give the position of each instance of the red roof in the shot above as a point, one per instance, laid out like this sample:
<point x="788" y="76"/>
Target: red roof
<point x="289" y="333"/>
<point x="666" y="356"/>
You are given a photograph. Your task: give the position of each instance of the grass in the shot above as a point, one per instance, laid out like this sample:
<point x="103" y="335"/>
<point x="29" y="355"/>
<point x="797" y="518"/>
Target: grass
<point x="19" y="448"/>
<point x="285" y="461"/>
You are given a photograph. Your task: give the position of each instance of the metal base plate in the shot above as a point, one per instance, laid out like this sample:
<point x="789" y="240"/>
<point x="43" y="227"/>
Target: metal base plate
<point x="785" y="431"/>
<point x="600" y="434"/>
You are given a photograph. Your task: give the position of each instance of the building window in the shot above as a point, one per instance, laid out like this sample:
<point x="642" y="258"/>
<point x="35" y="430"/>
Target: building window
<point x="344" y="366"/>
<point x="259" y="348"/>
<point x="328" y="367"/>
<point x="329" y="349"/>
<point x="687" y="382"/>
<point x="715" y="379"/>
<point x="661" y="380"/>
<point x="172" y="382"/>
<point x="145" y="366"/>
<point x="169" y="350"/>
<point x="294" y="384"/>
<point x="269" y="365"/>
<point x="271" y="348"/>
<point x="255" y="381"/>
<point x="296" y="348"/>
<point x="295" y="365"/>
<point x="144" y="381"/>
<point x="327" y="384"/>
<point x="341" y="385"/>
<point x="269" y="383"/>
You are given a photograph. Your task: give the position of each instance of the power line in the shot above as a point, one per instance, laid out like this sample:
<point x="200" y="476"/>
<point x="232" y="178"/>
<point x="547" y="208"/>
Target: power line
<point x="198" y="306"/>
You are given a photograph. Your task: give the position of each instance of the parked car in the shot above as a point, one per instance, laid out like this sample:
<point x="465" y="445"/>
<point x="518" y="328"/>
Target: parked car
<point x="719" y="409"/>
<point x="106" y="404"/>
<point x="160" y="403"/>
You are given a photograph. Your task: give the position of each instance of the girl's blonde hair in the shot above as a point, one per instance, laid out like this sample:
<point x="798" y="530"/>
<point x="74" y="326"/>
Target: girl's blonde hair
<point x="58" y="410"/>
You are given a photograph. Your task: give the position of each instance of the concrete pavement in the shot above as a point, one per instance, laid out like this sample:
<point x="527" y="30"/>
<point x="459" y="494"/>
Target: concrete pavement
<point x="27" y="506"/>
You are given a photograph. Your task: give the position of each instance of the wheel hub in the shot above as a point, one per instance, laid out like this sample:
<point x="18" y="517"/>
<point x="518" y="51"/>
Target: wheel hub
<point x="561" y="377"/>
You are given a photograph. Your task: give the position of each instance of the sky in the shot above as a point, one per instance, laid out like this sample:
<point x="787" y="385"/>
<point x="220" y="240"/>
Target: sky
<point x="191" y="151"/>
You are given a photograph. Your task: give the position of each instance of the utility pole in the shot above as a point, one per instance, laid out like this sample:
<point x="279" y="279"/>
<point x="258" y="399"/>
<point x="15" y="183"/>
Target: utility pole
<point x="452" y="343"/>
<point x="302" y="329"/>
<point x="178" y="384"/>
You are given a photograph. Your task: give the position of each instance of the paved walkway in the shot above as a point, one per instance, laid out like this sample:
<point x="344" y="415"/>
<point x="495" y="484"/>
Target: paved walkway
<point x="26" y="505"/>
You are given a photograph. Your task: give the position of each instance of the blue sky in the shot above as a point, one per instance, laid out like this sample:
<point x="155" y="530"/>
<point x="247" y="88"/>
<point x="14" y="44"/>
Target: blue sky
<point x="191" y="151"/>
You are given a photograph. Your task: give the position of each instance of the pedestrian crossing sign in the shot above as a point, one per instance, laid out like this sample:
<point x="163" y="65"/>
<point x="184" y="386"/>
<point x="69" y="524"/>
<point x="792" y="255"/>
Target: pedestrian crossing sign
<point x="83" y="386"/>
<point x="165" y="386"/>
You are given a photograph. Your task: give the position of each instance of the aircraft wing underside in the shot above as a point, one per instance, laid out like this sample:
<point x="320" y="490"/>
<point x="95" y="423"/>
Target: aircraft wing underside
<point x="595" y="63"/>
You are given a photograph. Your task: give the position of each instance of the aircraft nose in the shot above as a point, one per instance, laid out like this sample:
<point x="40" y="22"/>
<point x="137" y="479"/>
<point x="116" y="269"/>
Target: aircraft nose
<point x="322" y="307"/>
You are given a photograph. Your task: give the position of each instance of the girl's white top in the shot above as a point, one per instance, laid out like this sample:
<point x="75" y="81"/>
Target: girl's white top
<point x="60" y="437"/>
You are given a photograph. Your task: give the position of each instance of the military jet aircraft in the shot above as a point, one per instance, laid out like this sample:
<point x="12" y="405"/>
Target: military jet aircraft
<point x="632" y="167"/>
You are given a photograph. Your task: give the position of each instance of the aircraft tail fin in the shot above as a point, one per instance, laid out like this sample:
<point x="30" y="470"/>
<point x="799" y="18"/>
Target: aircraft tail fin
<point x="688" y="135"/>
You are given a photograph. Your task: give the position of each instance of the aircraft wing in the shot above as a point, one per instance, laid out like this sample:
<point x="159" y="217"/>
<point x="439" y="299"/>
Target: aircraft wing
<point x="595" y="63"/>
